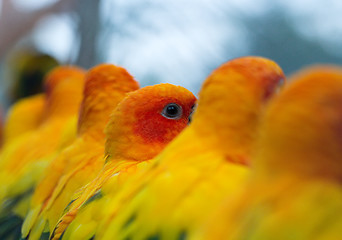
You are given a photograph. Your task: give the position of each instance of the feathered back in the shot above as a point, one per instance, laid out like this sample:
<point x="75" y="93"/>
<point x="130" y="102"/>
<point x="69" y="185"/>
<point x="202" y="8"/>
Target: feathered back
<point x="105" y="86"/>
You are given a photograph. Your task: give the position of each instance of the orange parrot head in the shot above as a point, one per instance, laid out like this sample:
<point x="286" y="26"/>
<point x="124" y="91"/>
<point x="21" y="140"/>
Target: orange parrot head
<point x="147" y="120"/>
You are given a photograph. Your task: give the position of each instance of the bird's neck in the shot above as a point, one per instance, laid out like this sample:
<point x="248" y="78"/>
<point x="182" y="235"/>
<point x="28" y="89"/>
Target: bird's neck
<point x="231" y="125"/>
<point x="93" y="117"/>
<point x="97" y="105"/>
<point x="233" y="137"/>
<point x="61" y="107"/>
<point x="123" y="143"/>
<point x="63" y="100"/>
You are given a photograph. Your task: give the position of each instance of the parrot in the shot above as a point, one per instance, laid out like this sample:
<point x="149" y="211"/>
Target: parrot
<point x="23" y="161"/>
<point x="105" y="86"/>
<point x="171" y="197"/>
<point x="32" y="108"/>
<point x="139" y="128"/>
<point x="293" y="191"/>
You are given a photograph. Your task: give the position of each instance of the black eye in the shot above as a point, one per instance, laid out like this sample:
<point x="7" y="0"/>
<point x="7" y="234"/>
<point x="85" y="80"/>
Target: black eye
<point x="172" y="111"/>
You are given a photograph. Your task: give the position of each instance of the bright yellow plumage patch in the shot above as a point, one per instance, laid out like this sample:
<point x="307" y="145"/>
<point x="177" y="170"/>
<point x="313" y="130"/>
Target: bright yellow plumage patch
<point x="294" y="191"/>
<point x="24" y="116"/>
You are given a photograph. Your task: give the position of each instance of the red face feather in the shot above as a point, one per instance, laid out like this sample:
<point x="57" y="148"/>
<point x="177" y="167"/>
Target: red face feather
<point x="152" y="126"/>
<point x="139" y="128"/>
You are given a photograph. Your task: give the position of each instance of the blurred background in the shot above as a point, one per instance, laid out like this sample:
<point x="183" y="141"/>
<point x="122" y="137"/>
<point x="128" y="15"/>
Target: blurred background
<point x="173" y="41"/>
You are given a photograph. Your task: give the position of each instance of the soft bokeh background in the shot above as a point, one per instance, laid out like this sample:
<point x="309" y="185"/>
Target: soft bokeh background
<point x="176" y="41"/>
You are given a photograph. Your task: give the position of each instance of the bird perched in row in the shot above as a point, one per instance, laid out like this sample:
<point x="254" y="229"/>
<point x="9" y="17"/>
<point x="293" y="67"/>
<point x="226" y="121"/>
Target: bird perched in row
<point x="23" y="161"/>
<point x="294" y="191"/>
<point x="105" y="86"/>
<point x="32" y="109"/>
<point x="139" y="128"/>
<point x="15" y="127"/>
<point x="172" y="196"/>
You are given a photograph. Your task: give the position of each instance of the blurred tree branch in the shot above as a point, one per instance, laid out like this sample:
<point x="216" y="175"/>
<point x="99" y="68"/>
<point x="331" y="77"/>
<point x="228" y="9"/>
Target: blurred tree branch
<point x="20" y="23"/>
<point x="88" y="29"/>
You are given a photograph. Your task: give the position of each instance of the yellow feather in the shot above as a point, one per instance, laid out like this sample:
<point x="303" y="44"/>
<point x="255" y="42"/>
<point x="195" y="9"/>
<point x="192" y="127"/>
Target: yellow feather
<point x="294" y="191"/>
<point x="24" y="116"/>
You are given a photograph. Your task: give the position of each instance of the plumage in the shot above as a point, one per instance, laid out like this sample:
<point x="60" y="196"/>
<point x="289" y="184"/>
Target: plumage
<point x="105" y="86"/>
<point x="170" y="198"/>
<point x="139" y="128"/>
<point x="294" y="191"/>
<point x="24" y="116"/>
<point x="23" y="161"/>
